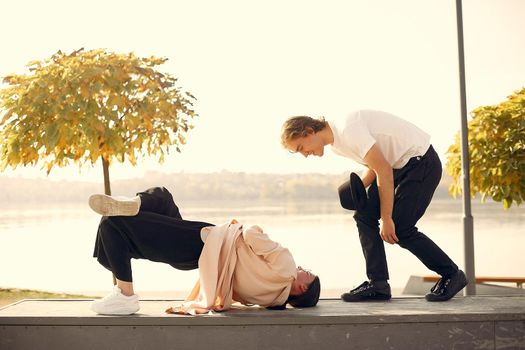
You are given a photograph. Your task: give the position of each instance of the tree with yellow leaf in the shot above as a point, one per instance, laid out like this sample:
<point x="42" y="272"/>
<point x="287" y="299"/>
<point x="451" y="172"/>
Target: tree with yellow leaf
<point x="497" y="152"/>
<point x="88" y="106"/>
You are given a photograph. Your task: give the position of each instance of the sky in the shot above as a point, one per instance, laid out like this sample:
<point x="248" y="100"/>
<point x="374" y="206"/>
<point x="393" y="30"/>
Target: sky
<point x="252" y="64"/>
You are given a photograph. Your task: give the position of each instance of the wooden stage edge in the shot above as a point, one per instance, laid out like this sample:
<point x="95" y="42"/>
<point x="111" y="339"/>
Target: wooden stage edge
<point x="484" y="322"/>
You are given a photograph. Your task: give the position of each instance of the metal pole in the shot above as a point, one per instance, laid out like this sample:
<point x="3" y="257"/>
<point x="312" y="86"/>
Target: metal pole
<point x="468" y="226"/>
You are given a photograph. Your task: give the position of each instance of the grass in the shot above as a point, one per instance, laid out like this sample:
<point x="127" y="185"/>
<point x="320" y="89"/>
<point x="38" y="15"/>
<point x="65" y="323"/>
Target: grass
<point x="11" y="295"/>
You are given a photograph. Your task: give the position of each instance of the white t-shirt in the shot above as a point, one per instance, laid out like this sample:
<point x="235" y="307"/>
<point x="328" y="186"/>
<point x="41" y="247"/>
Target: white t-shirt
<point x="398" y="139"/>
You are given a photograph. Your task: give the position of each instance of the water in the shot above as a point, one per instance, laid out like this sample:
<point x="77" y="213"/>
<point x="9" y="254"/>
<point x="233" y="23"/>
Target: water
<point x="50" y="248"/>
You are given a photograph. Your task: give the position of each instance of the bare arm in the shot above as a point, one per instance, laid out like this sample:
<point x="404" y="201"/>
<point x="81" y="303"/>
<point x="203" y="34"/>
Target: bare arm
<point x="368" y="177"/>
<point x="385" y="184"/>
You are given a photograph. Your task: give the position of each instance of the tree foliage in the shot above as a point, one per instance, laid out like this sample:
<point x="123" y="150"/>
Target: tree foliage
<point x="497" y="152"/>
<point x="88" y="105"/>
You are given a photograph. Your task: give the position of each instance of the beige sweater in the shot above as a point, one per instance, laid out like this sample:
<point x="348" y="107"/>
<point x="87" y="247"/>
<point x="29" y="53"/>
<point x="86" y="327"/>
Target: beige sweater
<point x="236" y="265"/>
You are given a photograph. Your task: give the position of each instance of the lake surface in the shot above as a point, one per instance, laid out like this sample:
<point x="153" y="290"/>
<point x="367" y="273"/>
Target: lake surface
<point x="50" y="247"/>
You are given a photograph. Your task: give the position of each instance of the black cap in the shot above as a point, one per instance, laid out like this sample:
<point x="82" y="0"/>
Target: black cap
<point x="307" y="299"/>
<point x="352" y="193"/>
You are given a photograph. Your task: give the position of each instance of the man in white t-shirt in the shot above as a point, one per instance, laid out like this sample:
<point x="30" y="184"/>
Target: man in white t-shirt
<point x="403" y="173"/>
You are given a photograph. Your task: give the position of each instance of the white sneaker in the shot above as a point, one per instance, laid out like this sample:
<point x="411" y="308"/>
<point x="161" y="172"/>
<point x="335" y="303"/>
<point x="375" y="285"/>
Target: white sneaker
<point x="114" y="206"/>
<point x="116" y="303"/>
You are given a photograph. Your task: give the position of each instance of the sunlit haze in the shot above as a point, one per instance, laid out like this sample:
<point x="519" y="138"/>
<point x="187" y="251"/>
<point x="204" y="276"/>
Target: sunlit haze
<point x="252" y="64"/>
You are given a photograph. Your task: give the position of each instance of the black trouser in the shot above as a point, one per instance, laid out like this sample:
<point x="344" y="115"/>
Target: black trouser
<point x="156" y="233"/>
<point x="414" y="185"/>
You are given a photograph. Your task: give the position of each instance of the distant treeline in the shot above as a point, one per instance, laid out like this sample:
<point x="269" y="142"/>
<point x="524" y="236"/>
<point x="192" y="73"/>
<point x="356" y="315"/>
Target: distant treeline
<point x="223" y="185"/>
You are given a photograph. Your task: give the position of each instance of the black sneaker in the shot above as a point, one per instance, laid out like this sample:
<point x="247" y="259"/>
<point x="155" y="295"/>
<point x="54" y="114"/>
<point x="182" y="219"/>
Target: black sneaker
<point x="447" y="287"/>
<point x="367" y="291"/>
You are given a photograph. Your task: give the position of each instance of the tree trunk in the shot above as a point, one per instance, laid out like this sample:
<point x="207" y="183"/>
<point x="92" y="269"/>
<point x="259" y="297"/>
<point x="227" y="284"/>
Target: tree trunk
<point x="105" y="168"/>
<point x="107" y="190"/>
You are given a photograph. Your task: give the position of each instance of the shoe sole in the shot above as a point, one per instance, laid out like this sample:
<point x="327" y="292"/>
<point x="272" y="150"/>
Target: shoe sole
<point x="365" y="299"/>
<point x="119" y="312"/>
<point x="107" y="206"/>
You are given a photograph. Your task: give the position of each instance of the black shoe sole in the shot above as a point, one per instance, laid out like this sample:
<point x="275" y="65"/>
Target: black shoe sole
<point x="378" y="297"/>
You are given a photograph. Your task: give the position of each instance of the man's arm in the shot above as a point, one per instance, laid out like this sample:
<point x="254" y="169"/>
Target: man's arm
<point x="385" y="184"/>
<point x="368" y="177"/>
<point x="278" y="258"/>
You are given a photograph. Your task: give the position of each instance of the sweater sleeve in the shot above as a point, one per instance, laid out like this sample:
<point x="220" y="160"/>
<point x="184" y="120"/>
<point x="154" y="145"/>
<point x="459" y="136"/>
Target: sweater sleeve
<point x="276" y="256"/>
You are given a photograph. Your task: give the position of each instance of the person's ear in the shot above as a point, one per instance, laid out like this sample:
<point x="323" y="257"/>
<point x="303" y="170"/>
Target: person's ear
<point x="303" y="288"/>
<point x="309" y="131"/>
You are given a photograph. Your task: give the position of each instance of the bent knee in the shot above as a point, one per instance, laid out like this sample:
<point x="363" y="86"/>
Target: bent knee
<point x="405" y="235"/>
<point x="106" y="225"/>
<point x="364" y="219"/>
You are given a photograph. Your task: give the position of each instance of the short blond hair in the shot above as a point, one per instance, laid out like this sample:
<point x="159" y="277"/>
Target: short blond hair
<point x="295" y="127"/>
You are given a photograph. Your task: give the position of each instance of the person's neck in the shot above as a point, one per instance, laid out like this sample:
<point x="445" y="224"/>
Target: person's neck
<point x="327" y="135"/>
<point x="293" y="289"/>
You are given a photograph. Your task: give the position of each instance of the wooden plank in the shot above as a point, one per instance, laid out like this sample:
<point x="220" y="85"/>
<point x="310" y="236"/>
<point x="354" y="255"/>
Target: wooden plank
<point x="447" y="335"/>
<point x="401" y="323"/>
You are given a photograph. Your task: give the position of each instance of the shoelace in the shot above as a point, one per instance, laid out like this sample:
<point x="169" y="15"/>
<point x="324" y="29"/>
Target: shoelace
<point x="441" y="286"/>
<point x="110" y="295"/>
<point x="362" y="287"/>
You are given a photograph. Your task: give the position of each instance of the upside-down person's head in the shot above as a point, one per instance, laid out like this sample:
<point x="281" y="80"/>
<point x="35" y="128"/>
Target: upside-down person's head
<point x="305" y="291"/>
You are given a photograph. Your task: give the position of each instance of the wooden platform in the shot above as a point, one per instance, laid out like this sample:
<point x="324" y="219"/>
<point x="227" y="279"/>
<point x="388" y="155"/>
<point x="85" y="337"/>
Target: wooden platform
<point x="482" y="322"/>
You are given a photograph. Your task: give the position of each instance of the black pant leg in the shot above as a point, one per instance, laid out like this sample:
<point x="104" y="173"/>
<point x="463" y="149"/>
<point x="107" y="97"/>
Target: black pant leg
<point x="149" y="236"/>
<point x="112" y="250"/>
<point x="373" y="247"/>
<point x="415" y="186"/>
<point x="159" y="200"/>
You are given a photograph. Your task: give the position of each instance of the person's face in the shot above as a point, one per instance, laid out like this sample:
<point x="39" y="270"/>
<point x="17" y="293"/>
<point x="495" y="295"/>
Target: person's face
<point x="311" y="144"/>
<point x="304" y="278"/>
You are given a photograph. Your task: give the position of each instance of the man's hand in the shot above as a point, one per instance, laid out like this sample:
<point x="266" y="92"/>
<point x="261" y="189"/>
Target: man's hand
<point x="388" y="231"/>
